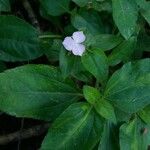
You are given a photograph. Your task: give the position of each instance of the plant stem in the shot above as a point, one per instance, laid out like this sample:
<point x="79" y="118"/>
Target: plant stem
<point x="49" y="36"/>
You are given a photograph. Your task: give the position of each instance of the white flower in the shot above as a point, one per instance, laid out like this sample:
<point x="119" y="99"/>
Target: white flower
<point x="74" y="43"/>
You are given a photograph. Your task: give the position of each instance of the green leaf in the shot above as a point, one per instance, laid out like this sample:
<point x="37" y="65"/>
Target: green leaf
<point x="78" y="127"/>
<point x="134" y="135"/>
<point x="4" y="5"/>
<point x="35" y="91"/>
<point x="128" y="88"/>
<point x="91" y="94"/>
<point x="95" y="61"/>
<point x="125" y="16"/>
<point x="89" y="21"/>
<point x="128" y="136"/>
<point x="81" y="3"/>
<point x="144" y="9"/>
<point x="104" y="41"/>
<point x="71" y="65"/>
<point x="55" y="7"/>
<point x="52" y="51"/>
<point x="110" y="137"/>
<point x="103" y="107"/>
<point x="145" y="114"/>
<point x="18" y="40"/>
<point x="123" y="52"/>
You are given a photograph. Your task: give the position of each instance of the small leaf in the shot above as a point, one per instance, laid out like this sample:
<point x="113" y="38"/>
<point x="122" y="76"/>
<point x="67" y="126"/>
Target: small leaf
<point x="81" y="3"/>
<point x="125" y="16"/>
<point x="78" y="127"/>
<point x="92" y="95"/>
<point x="145" y="114"/>
<point x="95" y="61"/>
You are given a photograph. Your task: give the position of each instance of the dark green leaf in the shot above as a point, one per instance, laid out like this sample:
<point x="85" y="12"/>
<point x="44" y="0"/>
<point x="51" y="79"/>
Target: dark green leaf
<point x="110" y="138"/>
<point x="134" y="135"/>
<point x="35" y="91"/>
<point x="55" y="7"/>
<point x="125" y="16"/>
<point x="122" y="52"/>
<point x="95" y="61"/>
<point x="78" y="127"/>
<point x="128" y="88"/>
<point x="88" y="21"/>
<point x="4" y="5"/>
<point x="18" y="40"/>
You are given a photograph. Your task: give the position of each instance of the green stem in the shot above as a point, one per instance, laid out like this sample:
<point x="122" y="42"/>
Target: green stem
<point x="49" y="36"/>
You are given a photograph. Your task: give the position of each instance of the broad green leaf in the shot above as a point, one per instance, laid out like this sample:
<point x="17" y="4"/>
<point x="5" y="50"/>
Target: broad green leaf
<point x="78" y="127"/>
<point x="35" y="91"/>
<point x="134" y="135"/>
<point x="55" y="7"/>
<point x="4" y="5"/>
<point x="71" y="65"/>
<point x="125" y="16"/>
<point x="128" y="88"/>
<point x="110" y="137"/>
<point x="95" y="61"/>
<point x="104" y="41"/>
<point x="88" y="21"/>
<point x="123" y="52"/>
<point x="145" y="114"/>
<point x="103" y="107"/>
<point x="91" y="94"/>
<point x="18" y="40"/>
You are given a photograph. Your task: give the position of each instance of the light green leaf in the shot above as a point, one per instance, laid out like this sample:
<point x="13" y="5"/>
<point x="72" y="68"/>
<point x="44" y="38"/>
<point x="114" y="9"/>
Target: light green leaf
<point x="128" y="88"/>
<point x="4" y="5"/>
<point x="123" y="52"/>
<point x="18" y="40"/>
<point x="78" y="127"/>
<point x="95" y="61"/>
<point x="55" y="7"/>
<point x="125" y="16"/>
<point x="103" y="107"/>
<point x="35" y="91"/>
<point x="145" y="114"/>
<point x="91" y="94"/>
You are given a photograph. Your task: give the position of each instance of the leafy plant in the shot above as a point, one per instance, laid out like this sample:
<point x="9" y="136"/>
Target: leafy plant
<point x="95" y="100"/>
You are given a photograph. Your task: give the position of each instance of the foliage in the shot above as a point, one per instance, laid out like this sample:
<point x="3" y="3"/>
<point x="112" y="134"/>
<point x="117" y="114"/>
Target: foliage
<point x="97" y="101"/>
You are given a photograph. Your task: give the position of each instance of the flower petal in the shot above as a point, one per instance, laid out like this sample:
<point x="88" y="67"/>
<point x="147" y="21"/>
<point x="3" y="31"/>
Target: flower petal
<point x="78" y="36"/>
<point x="78" y="49"/>
<point x="68" y="43"/>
